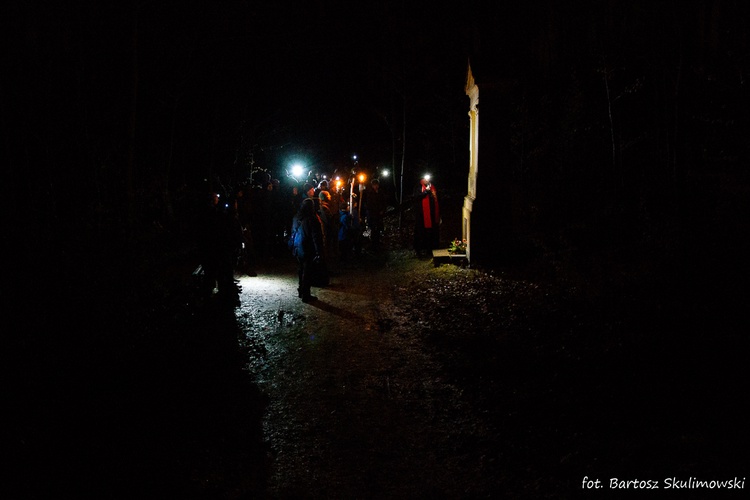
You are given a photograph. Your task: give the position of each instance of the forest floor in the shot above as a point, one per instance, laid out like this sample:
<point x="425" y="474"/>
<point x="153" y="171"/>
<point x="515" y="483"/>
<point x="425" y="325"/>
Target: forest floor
<point x="403" y="380"/>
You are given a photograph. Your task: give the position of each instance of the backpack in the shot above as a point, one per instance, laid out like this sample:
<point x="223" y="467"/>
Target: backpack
<point x="345" y="226"/>
<point x="290" y="240"/>
<point x="296" y="238"/>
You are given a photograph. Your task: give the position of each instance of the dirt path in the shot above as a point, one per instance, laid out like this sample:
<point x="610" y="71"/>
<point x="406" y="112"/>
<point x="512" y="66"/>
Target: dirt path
<point x="409" y="381"/>
<point x="403" y="380"/>
<point x="357" y="407"/>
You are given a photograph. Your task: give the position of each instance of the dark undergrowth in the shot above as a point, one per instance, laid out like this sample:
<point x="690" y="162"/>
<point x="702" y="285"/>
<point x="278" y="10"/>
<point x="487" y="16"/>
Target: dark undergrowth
<point x="594" y="351"/>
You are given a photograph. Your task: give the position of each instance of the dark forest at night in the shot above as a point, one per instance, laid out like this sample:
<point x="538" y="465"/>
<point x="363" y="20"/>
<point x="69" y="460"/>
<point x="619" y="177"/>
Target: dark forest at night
<point x="625" y="113"/>
<point x="619" y="140"/>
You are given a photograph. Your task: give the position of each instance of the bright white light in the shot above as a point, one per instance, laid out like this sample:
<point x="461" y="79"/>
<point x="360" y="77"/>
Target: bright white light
<point x="354" y="157"/>
<point x="385" y="173"/>
<point x="298" y="170"/>
<point x="427" y="177"/>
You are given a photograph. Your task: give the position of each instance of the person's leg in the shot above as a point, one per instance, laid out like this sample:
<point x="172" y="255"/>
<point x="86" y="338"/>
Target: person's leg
<point x="300" y="273"/>
<point x="306" y="280"/>
<point x="345" y="249"/>
<point x="419" y="235"/>
<point x="375" y="234"/>
<point x="428" y="240"/>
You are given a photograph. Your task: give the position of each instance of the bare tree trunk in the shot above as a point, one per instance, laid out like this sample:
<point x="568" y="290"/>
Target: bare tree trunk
<point x="130" y="168"/>
<point x="611" y="121"/>
<point x="171" y="143"/>
<point x="392" y="127"/>
<point x="403" y="122"/>
<point x="675" y="129"/>
<point x="403" y="157"/>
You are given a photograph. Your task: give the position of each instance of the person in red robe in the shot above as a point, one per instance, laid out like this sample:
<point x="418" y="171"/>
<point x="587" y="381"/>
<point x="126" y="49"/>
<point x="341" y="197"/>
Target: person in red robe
<point x="427" y="220"/>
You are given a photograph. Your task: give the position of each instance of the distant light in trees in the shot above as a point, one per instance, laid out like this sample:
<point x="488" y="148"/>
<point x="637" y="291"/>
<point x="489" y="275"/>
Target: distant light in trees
<point x="297" y="170"/>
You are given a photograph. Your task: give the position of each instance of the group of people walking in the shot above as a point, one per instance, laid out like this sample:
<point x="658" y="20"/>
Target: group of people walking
<point x="317" y="224"/>
<point x="329" y="226"/>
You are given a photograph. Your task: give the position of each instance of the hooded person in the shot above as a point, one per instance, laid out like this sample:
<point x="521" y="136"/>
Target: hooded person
<point x="308" y="248"/>
<point x="427" y="220"/>
<point x="374" y="205"/>
<point x="308" y="190"/>
<point x="329" y="221"/>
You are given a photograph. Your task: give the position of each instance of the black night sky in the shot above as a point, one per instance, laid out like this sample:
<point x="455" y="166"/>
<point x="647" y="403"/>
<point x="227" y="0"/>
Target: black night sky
<point x="211" y="87"/>
<point x="137" y="93"/>
<point x="616" y="136"/>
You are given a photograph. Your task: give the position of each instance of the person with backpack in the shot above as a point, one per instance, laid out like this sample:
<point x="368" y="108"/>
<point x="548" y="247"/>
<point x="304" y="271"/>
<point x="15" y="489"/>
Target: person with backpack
<point x="374" y="205"/>
<point x="308" y="246"/>
<point x="346" y="233"/>
<point x="330" y="223"/>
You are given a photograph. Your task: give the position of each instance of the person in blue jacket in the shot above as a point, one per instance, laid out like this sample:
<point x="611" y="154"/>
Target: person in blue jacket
<point x="309" y="249"/>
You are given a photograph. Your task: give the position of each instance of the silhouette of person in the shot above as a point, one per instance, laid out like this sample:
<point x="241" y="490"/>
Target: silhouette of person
<point x="308" y="246"/>
<point x="427" y="220"/>
<point x="374" y="207"/>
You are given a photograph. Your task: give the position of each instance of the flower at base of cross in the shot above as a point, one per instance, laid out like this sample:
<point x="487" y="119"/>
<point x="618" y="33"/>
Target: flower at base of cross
<point x="457" y="246"/>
